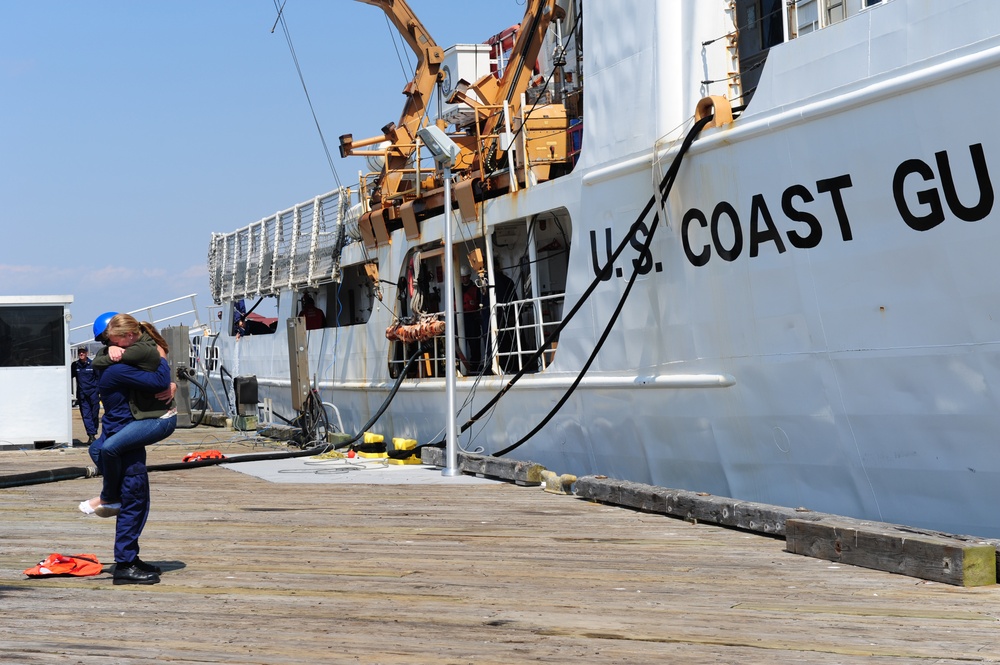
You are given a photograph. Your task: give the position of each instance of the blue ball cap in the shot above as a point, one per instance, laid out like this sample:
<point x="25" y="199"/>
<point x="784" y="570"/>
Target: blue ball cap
<point x="101" y="323"/>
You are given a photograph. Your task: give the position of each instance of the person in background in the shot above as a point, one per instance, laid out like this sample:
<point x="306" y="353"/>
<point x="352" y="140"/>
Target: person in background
<point x="472" y="320"/>
<point x="240" y="329"/>
<point x="311" y="313"/>
<point x="500" y="295"/>
<point x="239" y="318"/>
<point x="86" y="392"/>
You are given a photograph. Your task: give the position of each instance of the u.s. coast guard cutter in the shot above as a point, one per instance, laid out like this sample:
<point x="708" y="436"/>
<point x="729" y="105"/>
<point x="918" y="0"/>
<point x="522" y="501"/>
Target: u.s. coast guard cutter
<point x="794" y="302"/>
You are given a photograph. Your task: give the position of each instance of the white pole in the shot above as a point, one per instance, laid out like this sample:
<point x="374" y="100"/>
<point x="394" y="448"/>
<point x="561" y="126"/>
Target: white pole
<point x="451" y="440"/>
<point x="445" y="151"/>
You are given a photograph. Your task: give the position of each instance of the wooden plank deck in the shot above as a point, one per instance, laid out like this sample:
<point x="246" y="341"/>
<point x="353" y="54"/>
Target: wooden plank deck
<point x="258" y="572"/>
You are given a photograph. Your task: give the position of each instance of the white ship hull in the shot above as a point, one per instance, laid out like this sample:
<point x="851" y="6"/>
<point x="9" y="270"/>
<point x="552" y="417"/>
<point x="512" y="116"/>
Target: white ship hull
<point x="818" y="318"/>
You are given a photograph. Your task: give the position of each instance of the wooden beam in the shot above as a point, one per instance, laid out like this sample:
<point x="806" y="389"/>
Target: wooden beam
<point x="929" y="555"/>
<point x="894" y="549"/>
<point x="528" y="474"/>
<point x="692" y="506"/>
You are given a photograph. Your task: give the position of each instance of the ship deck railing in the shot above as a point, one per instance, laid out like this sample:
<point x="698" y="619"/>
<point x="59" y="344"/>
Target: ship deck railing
<point x="178" y="310"/>
<point x="521" y="328"/>
<point x="292" y="249"/>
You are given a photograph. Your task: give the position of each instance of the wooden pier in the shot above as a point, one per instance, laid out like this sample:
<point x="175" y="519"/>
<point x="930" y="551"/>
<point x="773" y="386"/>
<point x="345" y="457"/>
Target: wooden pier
<point x="274" y="573"/>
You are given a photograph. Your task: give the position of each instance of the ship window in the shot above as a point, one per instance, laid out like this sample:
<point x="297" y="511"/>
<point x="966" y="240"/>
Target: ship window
<point x="32" y="336"/>
<point x="504" y="316"/>
<point x="419" y="291"/>
<point x="254" y="317"/>
<point x="835" y="11"/>
<point x="350" y="301"/>
<point x="534" y="255"/>
<point x="203" y="347"/>
<point x="760" y="26"/>
<point x="421" y="295"/>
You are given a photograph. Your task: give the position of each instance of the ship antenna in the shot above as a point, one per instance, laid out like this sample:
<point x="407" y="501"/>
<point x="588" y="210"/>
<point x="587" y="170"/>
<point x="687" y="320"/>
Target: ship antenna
<point x="278" y="17"/>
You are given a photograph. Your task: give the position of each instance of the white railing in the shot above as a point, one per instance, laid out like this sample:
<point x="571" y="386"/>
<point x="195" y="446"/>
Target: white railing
<point x="522" y="326"/>
<point x="294" y="248"/>
<point x="533" y="319"/>
<point x="147" y="314"/>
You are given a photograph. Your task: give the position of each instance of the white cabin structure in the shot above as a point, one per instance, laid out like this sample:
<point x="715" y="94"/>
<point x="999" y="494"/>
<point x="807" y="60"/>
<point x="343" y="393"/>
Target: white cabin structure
<point x="35" y="391"/>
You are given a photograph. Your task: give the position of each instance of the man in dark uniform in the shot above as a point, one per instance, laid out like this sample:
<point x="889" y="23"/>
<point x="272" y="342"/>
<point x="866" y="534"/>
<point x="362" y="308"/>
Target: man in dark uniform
<point x="86" y="392"/>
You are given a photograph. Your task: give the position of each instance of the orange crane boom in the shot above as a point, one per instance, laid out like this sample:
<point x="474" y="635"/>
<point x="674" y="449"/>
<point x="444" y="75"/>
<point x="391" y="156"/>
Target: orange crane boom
<point x="402" y="136"/>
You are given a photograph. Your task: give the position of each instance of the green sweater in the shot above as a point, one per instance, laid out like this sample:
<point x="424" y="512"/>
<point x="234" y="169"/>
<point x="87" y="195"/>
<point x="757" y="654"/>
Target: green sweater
<point x="144" y="355"/>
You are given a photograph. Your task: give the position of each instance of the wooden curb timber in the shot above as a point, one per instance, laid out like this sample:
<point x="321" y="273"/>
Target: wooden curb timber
<point x="692" y="506"/>
<point x="895" y="549"/>
<point x="528" y="474"/>
<point x="959" y="560"/>
<point x="929" y="555"/>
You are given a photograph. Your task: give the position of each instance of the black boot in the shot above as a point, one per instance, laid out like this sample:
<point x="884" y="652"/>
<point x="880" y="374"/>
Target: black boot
<point x="90" y="438"/>
<point x="146" y="567"/>
<point x="132" y="574"/>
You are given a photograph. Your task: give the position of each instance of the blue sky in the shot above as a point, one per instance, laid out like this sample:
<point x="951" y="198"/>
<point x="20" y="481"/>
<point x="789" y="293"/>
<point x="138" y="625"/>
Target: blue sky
<point x="131" y="130"/>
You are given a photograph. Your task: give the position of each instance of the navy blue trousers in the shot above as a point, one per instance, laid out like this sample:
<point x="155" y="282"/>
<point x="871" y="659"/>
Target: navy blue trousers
<point x="112" y="454"/>
<point x="134" y="511"/>
<point x="90" y="406"/>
